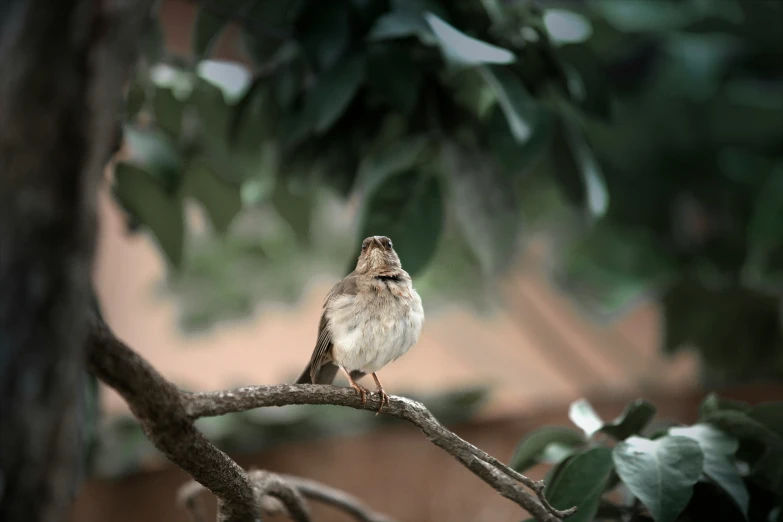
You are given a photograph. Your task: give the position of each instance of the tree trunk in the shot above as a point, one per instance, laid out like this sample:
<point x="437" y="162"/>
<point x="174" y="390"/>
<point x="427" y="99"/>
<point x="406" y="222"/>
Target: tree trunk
<point x="62" y="68"/>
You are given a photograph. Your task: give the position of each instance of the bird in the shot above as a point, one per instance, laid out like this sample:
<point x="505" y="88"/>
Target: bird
<point x="369" y="319"/>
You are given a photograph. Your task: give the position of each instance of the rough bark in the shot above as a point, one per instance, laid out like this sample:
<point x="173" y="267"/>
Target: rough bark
<point x="63" y="66"/>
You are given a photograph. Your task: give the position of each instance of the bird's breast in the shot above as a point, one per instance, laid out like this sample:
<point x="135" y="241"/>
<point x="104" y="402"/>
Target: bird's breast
<point x="372" y="329"/>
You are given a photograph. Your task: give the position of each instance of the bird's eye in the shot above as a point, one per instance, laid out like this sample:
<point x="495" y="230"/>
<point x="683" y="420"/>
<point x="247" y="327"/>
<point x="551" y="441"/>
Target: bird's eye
<point x="388" y="243"/>
<point x="364" y="246"/>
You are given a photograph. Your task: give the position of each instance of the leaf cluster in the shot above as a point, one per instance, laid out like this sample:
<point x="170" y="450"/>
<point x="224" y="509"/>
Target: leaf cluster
<point x="645" y="136"/>
<point x="726" y="467"/>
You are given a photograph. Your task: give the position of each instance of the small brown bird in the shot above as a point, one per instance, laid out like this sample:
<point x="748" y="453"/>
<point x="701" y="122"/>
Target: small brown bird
<point x="370" y="318"/>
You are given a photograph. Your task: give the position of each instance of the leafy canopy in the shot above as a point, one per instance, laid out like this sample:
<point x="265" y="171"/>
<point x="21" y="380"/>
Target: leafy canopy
<point x="645" y="136"/>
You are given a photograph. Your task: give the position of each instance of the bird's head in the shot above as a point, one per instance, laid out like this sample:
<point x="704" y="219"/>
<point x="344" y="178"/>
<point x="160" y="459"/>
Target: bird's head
<point x="377" y="254"/>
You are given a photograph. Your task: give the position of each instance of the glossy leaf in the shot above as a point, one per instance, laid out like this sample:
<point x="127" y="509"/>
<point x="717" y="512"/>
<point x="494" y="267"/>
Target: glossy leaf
<point x="295" y="207"/>
<point x="518" y="106"/>
<point x="326" y="32"/>
<point x="770" y="414"/>
<point x="486" y="207"/>
<point x="661" y="473"/>
<point x="719" y="449"/>
<point x="398" y="156"/>
<point x="220" y="198"/>
<point x="209" y="25"/>
<point x="394" y="77"/>
<point x="632" y="421"/>
<point x="401" y="24"/>
<point x="565" y="26"/>
<point x="331" y="96"/>
<point x="530" y="449"/>
<point x="581" y="483"/>
<point x="762" y="269"/>
<point x="462" y="50"/>
<point x="154" y="152"/>
<point x="584" y="416"/>
<point x="168" y="111"/>
<point x="160" y="212"/>
<point x="408" y="208"/>
<point x="713" y="403"/>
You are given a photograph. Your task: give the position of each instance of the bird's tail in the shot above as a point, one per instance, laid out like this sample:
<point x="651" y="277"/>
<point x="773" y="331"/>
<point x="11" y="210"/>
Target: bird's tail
<point x="326" y="374"/>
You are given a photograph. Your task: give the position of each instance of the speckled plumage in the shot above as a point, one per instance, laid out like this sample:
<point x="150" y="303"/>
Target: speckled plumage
<point x="370" y="318"/>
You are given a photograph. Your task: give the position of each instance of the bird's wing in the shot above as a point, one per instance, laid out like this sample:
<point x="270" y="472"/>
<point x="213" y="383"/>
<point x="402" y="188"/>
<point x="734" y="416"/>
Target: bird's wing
<point x="323" y="345"/>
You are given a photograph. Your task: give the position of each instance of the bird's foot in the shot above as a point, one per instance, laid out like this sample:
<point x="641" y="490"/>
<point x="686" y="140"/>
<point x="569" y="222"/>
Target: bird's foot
<point x="384" y="398"/>
<point x="361" y="390"/>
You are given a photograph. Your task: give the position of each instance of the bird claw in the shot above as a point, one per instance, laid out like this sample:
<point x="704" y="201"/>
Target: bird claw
<point x="384" y="398"/>
<point x="362" y="391"/>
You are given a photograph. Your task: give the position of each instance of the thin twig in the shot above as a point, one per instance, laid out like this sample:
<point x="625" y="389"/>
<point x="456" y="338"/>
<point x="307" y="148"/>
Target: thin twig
<point x="189" y="497"/>
<point x="168" y="414"/>
<point x="334" y="497"/>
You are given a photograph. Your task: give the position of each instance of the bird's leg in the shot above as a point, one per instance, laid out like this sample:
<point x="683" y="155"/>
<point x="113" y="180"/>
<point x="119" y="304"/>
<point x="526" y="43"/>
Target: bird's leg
<point x="383" y="394"/>
<point x="361" y="390"/>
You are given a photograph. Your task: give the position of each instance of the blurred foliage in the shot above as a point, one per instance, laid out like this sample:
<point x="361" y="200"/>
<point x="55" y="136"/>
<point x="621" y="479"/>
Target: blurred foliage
<point x="645" y="135"/>
<point x="121" y="447"/>
<point x="727" y="466"/>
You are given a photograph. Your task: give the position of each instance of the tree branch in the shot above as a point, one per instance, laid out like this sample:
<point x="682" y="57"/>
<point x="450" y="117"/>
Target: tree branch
<point x="160" y="409"/>
<point x="334" y="497"/>
<point x="211" y="404"/>
<point x="167" y="416"/>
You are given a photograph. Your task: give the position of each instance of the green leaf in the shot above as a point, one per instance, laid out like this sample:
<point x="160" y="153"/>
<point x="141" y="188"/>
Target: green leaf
<point x="394" y="77"/>
<point x="718" y="449"/>
<point x="742" y="426"/>
<point x="530" y="449"/>
<point x="326" y="32"/>
<point x="134" y="101"/>
<point x="168" y="111"/>
<point x="255" y="117"/>
<point x="763" y="268"/>
<point x="584" y="416"/>
<point x="646" y="15"/>
<point x="153" y="151"/>
<point x="209" y="25"/>
<point x="486" y="207"/>
<point x="161" y="212"/>
<point x="713" y="403"/>
<point x="461" y="50"/>
<point x="770" y="414"/>
<point x="221" y="199"/>
<point x="329" y="99"/>
<point x="401" y="24"/>
<point x="518" y="105"/>
<point x="566" y="26"/>
<point x="633" y="420"/>
<point x="295" y="207"/>
<point x="581" y="483"/>
<point x="398" y="156"/>
<point x="278" y="15"/>
<point x="661" y="473"/>
<point x="408" y="208"/>
<point x="597" y="195"/>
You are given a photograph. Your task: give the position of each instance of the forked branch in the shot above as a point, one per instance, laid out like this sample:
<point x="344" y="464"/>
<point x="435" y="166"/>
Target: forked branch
<point x="167" y="416"/>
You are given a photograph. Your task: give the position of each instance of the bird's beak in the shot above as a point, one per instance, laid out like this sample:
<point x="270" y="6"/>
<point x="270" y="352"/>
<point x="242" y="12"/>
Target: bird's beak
<point x="376" y="241"/>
